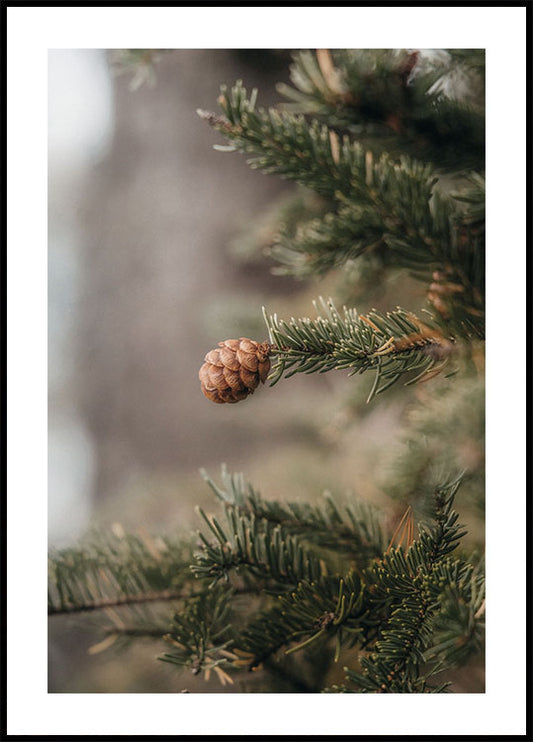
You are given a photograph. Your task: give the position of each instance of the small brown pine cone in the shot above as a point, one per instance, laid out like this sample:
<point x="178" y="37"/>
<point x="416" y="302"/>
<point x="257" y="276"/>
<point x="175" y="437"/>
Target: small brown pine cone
<point x="233" y="370"/>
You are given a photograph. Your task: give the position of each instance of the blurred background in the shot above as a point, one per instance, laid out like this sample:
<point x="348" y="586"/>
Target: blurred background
<point x="148" y="269"/>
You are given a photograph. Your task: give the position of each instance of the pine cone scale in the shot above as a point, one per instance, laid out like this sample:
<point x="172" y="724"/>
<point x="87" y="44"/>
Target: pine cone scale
<point x="234" y="370"/>
<point x="248" y="360"/>
<point x="249" y="379"/>
<point x="213" y="395"/>
<point x="213" y="358"/>
<point x="216" y="376"/>
<point x="229" y="358"/>
<point x="248" y="346"/>
<point x="233" y="379"/>
<point x="232" y="344"/>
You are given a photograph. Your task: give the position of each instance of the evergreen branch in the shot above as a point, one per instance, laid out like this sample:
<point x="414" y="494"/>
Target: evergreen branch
<point x="288" y="145"/>
<point x="458" y="629"/>
<point x="311" y="154"/>
<point x="258" y="548"/>
<point x="354" y="528"/>
<point x="329" y="242"/>
<point x="446" y="242"/>
<point x="201" y="635"/>
<point x="392" y="345"/>
<point x="117" y="570"/>
<point x="102" y="603"/>
<point x="331" y="609"/>
<point x="395" y="95"/>
<point x="412" y="582"/>
<point x="386" y="201"/>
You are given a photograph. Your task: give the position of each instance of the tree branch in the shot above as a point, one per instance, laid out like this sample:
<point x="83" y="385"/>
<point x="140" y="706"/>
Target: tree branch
<point x="101" y="603"/>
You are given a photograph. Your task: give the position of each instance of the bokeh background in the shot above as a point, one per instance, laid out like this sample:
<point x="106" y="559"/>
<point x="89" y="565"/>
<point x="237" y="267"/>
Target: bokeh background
<point x="149" y="267"/>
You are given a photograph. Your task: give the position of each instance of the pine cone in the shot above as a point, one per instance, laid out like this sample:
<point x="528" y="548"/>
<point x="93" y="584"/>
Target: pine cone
<point x="233" y="370"/>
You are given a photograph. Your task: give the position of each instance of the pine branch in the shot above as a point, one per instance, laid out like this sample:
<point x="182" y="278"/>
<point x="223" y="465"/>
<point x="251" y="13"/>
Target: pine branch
<point x="354" y="529"/>
<point x="393" y="202"/>
<point x="391" y="345"/>
<point x="201" y="635"/>
<point x="332" y="609"/>
<point x="288" y="145"/>
<point x="309" y="153"/>
<point x="412" y="582"/>
<point x="323" y="244"/>
<point x="256" y="547"/>
<point x="410" y="589"/>
<point x="397" y="96"/>
<point x="259" y="539"/>
<point x="445" y="240"/>
<point x="458" y="629"/>
<point x="98" y="604"/>
<point x="117" y="570"/>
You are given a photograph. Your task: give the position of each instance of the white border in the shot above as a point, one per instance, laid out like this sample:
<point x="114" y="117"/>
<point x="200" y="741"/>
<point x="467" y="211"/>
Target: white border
<point x="30" y="33"/>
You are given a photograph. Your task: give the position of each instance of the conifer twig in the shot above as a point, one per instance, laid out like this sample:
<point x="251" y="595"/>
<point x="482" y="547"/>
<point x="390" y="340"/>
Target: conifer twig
<point x="392" y="345"/>
<point x="101" y="603"/>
